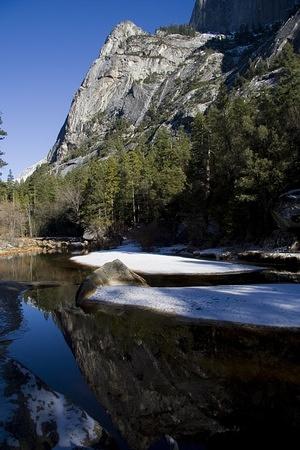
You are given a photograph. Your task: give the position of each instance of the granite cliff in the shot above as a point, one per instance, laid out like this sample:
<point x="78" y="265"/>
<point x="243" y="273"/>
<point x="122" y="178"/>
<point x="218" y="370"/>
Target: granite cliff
<point x="164" y="79"/>
<point x="219" y="16"/>
<point x="136" y="76"/>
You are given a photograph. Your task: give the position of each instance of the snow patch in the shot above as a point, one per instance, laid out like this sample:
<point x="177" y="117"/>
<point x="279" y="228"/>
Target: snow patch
<point x="30" y="170"/>
<point x="267" y="305"/>
<point x="74" y="426"/>
<point x="156" y="264"/>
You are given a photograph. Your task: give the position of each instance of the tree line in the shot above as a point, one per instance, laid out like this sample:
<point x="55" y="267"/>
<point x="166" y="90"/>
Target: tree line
<point x="218" y="181"/>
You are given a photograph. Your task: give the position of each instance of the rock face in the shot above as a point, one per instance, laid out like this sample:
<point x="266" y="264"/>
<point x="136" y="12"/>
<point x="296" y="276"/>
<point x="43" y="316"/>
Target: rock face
<point x="219" y="16"/>
<point x="165" y="79"/>
<point x="30" y="170"/>
<point x="134" y="74"/>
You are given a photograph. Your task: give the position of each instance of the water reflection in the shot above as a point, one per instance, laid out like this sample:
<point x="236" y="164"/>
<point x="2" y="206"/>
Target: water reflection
<point x="42" y="267"/>
<point x="196" y="382"/>
<point x="204" y="384"/>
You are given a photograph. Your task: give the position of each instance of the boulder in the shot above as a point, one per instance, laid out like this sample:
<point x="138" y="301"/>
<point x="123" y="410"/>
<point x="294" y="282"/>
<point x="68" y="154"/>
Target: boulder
<point x="287" y="210"/>
<point x="114" y="273"/>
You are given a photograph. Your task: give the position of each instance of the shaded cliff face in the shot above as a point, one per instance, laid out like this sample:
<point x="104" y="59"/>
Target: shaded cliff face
<point x="219" y="16"/>
<point x="203" y="383"/>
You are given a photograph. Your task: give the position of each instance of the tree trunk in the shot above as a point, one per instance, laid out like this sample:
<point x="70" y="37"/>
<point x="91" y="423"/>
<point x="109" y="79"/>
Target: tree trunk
<point x="133" y="206"/>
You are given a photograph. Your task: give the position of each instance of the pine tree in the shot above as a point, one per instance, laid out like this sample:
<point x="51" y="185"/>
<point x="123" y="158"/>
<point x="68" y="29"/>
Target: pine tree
<point x="10" y="186"/>
<point x="2" y="136"/>
<point x="10" y="177"/>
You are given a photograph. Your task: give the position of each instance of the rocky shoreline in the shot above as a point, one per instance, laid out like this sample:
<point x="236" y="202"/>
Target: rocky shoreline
<point x="22" y="246"/>
<point x="262" y="256"/>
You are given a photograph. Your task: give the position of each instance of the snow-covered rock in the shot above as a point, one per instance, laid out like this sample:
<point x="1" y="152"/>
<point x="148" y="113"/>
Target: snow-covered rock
<point x="271" y="257"/>
<point x="30" y="170"/>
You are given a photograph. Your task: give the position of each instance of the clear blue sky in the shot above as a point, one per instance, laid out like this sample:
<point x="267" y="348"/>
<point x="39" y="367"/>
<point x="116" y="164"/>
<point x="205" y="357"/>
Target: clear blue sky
<point x="47" y="47"/>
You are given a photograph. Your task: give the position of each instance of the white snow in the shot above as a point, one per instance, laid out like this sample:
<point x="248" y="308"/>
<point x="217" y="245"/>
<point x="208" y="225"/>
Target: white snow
<point x="270" y="305"/>
<point x="151" y="263"/>
<point x="74" y="426"/>
<point x="30" y="170"/>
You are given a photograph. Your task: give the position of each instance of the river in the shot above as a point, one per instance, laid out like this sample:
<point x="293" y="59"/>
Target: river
<point x="143" y="375"/>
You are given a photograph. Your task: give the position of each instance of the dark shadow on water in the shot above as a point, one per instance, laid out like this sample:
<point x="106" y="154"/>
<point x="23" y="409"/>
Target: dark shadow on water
<point x="160" y="375"/>
<point x="204" y="279"/>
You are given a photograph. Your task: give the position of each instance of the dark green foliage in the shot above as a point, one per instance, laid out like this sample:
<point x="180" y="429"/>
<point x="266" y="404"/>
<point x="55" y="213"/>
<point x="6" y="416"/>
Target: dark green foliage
<point x="183" y="29"/>
<point x="221" y="181"/>
<point x="110" y="195"/>
<point x="253" y="145"/>
<point x="2" y="136"/>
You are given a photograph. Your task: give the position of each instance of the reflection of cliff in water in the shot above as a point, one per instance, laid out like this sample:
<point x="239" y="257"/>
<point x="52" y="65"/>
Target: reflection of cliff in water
<point x="196" y="382"/>
<point x="10" y="311"/>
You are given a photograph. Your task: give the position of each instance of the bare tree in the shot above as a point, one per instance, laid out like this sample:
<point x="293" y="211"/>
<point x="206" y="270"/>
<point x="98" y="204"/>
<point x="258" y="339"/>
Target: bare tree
<point x="13" y="220"/>
<point x="72" y="198"/>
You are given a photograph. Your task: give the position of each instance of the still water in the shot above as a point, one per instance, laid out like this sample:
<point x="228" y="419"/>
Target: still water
<point x="143" y="375"/>
<point x="39" y="343"/>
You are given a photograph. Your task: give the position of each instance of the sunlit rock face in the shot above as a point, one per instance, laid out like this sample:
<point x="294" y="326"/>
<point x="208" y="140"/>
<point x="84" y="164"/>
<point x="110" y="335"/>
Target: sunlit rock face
<point x="113" y="273"/>
<point x="147" y="81"/>
<point x="134" y="73"/>
<point x="221" y="385"/>
<point x="219" y="16"/>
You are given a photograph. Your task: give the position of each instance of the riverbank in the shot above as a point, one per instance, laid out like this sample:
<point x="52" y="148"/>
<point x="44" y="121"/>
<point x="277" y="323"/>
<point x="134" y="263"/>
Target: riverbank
<point x="24" y="246"/>
<point x="281" y="256"/>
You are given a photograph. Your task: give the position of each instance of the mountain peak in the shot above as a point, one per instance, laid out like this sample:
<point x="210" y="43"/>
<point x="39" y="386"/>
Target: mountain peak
<point x="119" y="34"/>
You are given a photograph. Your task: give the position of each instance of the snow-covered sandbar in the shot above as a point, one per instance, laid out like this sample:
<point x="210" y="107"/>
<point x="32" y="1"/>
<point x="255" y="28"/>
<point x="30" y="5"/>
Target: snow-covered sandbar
<point x="266" y="305"/>
<point x="157" y="264"/>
